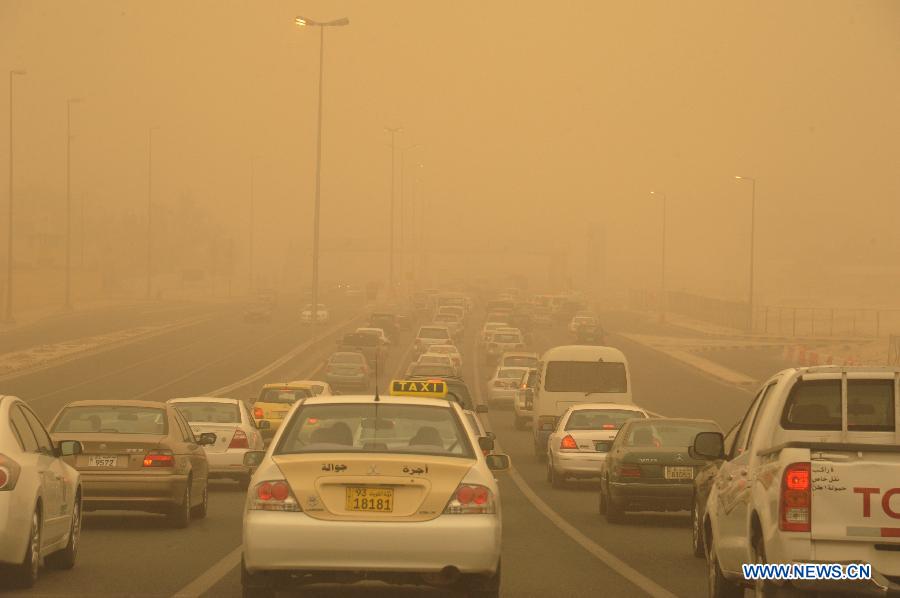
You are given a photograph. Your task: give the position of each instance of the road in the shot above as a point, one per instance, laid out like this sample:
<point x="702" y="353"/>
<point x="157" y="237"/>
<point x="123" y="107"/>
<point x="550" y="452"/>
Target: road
<point x="555" y="542"/>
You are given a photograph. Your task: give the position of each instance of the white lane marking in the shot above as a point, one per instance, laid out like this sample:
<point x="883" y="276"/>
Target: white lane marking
<point x="616" y="564"/>
<point x="211" y="576"/>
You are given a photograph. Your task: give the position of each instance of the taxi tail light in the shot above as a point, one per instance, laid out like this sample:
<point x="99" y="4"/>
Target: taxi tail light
<point x="795" y="505"/>
<point x="273" y="495"/>
<point x="159" y="458"/>
<point x="239" y="440"/>
<point x="258" y="413"/>
<point x="471" y="499"/>
<point x="568" y="442"/>
<point x="628" y="471"/>
<point x="9" y="473"/>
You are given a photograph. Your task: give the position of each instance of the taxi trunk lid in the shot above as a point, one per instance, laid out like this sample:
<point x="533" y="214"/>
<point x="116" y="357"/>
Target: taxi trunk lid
<point x="224" y="433"/>
<point x="339" y="487"/>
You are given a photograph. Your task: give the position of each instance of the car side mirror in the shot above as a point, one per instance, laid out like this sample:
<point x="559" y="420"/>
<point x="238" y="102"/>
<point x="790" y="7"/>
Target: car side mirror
<point x="253" y="458"/>
<point x="481" y="408"/>
<point x="486" y="443"/>
<point x="207" y="438"/>
<point x="709" y="445"/>
<point x="498" y="461"/>
<point x="490" y="435"/>
<point x="68" y="448"/>
<point x="263" y="424"/>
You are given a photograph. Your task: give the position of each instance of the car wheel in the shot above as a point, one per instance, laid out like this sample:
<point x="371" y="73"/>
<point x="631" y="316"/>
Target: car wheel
<point x="601" y="506"/>
<point x="696" y="531"/>
<point x="556" y="479"/>
<point x="615" y="512"/>
<point x="244" y="482"/>
<point x="199" y="512"/>
<point x="180" y="514"/>
<point x="718" y="586"/>
<point x="65" y="558"/>
<point x="25" y="574"/>
<point x="763" y="588"/>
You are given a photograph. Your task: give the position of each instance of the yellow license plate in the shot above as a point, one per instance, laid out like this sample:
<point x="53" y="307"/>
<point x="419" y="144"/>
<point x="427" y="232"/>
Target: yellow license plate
<point x="376" y="500"/>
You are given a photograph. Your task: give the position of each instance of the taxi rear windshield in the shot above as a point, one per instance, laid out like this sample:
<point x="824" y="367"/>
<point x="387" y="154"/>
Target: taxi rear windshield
<point x="218" y="413"/>
<point x="376" y="428"/>
<point x="434" y="333"/>
<point x="816" y="405"/>
<point x="111" y="419"/>
<point x="284" y="396"/>
<point x="600" y="419"/>
<point x="586" y="376"/>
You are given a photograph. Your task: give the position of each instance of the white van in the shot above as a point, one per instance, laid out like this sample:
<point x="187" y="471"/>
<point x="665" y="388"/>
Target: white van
<point x="572" y="375"/>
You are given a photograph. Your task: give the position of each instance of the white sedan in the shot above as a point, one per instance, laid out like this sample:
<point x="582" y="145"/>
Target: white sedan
<point x="441" y="359"/>
<point x="40" y="496"/>
<point x="504" y="384"/>
<point x="352" y="474"/>
<point x="235" y="430"/>
<point x="578" y="446"/>
<point x="450" y="350"/>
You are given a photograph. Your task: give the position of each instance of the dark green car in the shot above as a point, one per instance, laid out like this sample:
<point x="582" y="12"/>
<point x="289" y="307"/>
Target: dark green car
<point x="649" y="467"/>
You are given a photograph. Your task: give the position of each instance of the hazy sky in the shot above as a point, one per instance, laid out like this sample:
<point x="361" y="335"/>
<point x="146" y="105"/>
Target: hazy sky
<point x="537" y="120"/>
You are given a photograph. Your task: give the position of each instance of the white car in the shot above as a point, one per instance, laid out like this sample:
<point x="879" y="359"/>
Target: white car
<point x="578" y="446"/>
<point x="451" y="321"/>
<point x="361" y="472"/>
<point x="437" y="359"/>
<point x="450" y="350"/>
<point x="235" y="430"/>
<point x="487" y="329"/>
<point x="582" y="320"/>
<point x="318" y="387"/>
<point x="321" y="314"/>
<point x="504" y="383"/>
<point x="432" y="334"/>
<point x="376" y="332"/>
<point x="523" y="403"/>
<point x="502" y="341"/>
<point x="40" y="496"/>
<point x="519" y="360"/>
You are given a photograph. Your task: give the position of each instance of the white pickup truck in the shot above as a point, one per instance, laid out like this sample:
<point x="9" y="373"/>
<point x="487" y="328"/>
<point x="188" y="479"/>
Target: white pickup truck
<point x="813" y="477"/>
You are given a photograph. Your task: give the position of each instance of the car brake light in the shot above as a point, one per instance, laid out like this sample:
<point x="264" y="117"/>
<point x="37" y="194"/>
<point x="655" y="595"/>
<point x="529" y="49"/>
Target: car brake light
<point x="239" y="440"/>
<point x="159" y="458"/>
<point x="568" y="442"/>
<point x="628" y="471"/>
<point x="471" y="499"/>
<point x="795" y="507"/>
<point x="273" y="495"/>
<point x="609" y="426"/>
<point x="258" y="413"/>
<point x="9" y="473"/>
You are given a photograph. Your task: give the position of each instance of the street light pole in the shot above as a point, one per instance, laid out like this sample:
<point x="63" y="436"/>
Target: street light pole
<point x="68" y="297"/>
<point x="8" y="317"/>
<point x="393" y="133"/>
<point x="250" y="240"/>
<point x="149" y="211"/>
<point x="304" y="22"/>
<point x="752" y="248"/>
<point x="403" y="244"/>
<point x="662" y="268"/>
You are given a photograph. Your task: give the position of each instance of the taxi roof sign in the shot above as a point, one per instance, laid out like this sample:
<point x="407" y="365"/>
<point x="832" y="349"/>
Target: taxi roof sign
<point x="419" y="388"/>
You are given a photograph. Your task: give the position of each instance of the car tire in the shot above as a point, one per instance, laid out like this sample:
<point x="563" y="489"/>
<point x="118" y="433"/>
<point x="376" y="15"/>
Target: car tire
<point x="25" y="574"/>
<point x="697" y="532"/>
<point x="200" y="511"/>
<point x="764" y="588"/>
<point x="519" y="422"/>
<point x="483" y="587"/>
<point x="244" y="482"/>
<point x="601" y="502"/>
<point x="179" y="515"/>
<point x="555" y="478"/>
<point x="65" y="558"/>
<point x="615" y="512"/>
<point x="254" y="588"/>
<point x="718" y="586"/>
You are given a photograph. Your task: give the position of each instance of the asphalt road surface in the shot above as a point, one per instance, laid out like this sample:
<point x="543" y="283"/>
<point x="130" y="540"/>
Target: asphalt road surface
<point x="555" y="541"/>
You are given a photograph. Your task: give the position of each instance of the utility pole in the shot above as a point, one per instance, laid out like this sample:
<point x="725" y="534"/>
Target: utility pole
<point x="149" y="211"/>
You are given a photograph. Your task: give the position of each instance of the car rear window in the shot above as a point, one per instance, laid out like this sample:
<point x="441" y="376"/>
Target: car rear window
<point x="219" y="413"/>
<point x="347" y="359"/>
<point x="112" y="419"/>
<point x="360" y="339"/>
<point x="666" y="434"/>
<point x="375" y="428"/>
<point x="600" y="419"/>
<point x="586" y="376"/>
<point x="816" y="405"/>
<point x="284" y="396"/>
<point x="520" y="361"/>
<point x="440" y="333"/>
<point x="510" y="373"/>
<point x="430" y="370"/>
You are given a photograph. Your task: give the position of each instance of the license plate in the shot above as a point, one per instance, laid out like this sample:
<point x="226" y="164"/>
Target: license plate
<point x="602" y="446"/>
<point x="377" y="500"/>
<point x="102" y="461"/>
<point x="679" y="473"/>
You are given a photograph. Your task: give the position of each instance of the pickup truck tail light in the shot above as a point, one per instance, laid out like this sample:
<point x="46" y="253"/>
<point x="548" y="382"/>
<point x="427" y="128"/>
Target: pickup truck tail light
<point x="471" y="499"/>
<point x="159" y="458"/>
<point x="568" y="442"/>
<point x="239" y="440"/>
<point x="273" y="495"/>
<point x="9" y="473"/>
<point x="628" y="471"/>
<point x="795" y="508"/>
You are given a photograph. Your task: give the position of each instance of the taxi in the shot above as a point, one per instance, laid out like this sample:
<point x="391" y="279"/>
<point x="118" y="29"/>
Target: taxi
<point x="274" y="402"/>
<point x="353" y="474"/>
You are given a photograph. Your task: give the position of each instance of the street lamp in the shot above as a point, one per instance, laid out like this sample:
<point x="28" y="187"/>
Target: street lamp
<point x="304" y="22"/>
<point x="150" y="209"/>
<point x="393" y="132"/>
<point x="752" y="243"/>
<point x="662" y="267"/>
<point x="8" y="317"/>
<point x="403" y="243"/>
<point x="68" y="298"/>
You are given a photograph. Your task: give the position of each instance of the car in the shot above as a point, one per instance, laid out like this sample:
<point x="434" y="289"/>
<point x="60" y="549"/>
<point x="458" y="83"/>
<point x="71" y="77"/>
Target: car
<point x="318" y="387"/>
<point x="387" y="321"/>
<point x="273" y="403"/>
<point x="452" y="321"/>
<point x="137" y="456"/>
<point x="450" y="350"/>
<point x="235" y="430"/>
<point x="519" y="360"/>
<point x="703" y="482"/>
<point x="578" y="321"/>
<point x="369" y="345"/>
<point x="454" y="310"/>
<point x="430" y="370"/>
<point x="523" y="403"/>
<point x="322" y="314"/>
<point x="582" y="438"/>
<point x="431" y="334"/>
<point x="502" y="386"/>
<point x="438" y="359"/>
<point x="500" y="342"/>
<point x="258" y="312"/>
<point x="590" y="334"/>
<point x="40" y="496"/>
<point x="486" y="331"/>
<point x="649" y="468"/>
<point x="363" y="471"/>
<point x="377" y="333"/>
<point x="346" y="369"/>
<point x="457" y="390"/>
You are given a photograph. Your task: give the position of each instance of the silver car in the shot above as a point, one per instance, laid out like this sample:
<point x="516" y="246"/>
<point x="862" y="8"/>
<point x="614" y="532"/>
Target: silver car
<point x="504" y="383"/>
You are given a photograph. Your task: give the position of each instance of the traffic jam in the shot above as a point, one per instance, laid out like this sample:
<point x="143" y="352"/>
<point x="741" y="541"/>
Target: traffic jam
<point x="407" y="471"/>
